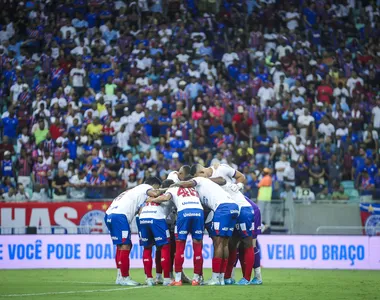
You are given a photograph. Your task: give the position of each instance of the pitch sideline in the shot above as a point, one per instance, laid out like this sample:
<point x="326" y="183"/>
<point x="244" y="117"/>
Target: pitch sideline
<point x="73" y="292"/>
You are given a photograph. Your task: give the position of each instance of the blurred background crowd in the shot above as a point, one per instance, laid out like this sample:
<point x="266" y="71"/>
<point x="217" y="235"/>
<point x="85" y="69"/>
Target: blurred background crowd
<point x="97" y="95"/>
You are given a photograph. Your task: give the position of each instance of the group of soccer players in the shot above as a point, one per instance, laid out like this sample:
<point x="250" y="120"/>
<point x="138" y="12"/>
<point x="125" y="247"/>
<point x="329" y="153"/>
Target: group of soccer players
<point x="202" y="198"/>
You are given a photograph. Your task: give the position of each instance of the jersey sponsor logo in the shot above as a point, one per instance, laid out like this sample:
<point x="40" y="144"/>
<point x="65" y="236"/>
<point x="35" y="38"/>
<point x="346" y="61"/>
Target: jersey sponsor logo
<point x="191" y="214"/>
<point x="183" y="232"/>
<point x="198" y="232"/>
<point x="144" y="239"/>
<point x="149" y="212"/>
<point x="146" y="221"/>
<point x="158" y="238"/>
<point x="190" y="202"/>
<point x="93" y="222"/>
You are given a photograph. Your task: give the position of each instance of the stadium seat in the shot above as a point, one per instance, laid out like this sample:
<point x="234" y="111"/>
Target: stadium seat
<point x="348" y="184"/>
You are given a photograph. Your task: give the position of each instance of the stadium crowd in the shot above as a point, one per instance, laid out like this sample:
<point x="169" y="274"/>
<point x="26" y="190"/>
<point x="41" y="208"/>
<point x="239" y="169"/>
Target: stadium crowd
<point x="97" y="95"/>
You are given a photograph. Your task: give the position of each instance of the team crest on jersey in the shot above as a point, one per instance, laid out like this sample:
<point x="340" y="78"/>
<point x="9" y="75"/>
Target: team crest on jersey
<point x="372" y="225"/>
<point x="93" y="223"/>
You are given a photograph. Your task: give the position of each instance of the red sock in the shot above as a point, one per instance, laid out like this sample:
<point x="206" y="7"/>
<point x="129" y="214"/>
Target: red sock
<point x="241" y="259"/>
<point x="198" y="258"/>
<point x="230" y="264"/>
<point x="124" y="262"/>
<point x="179" y="256"/>
<point x="172" y="251"/>
<point x="117" y="258"/>
<point x="158" y="262"/>
<point x="148" y="262"/>
<point x="165" y="260"/>
<point x="216" y="264"/>
<point x="249" y="259"/>
<point x="223" y="267"/>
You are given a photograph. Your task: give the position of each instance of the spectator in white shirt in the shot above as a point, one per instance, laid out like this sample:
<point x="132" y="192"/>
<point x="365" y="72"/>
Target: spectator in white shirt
<point x="289" y="174"/>
<point x="326" y="128"/>
<point x="352" y="81"/>
<point x="341" y="92"/>
<point x="78" y="78"/>
<point x="228" y="58"/>
<point x="291" y="18"/>
<point x="265" y="93"/>
<point x="376" y="115"/>
<point x="280" y="167"/>
<point x="304" y="123"/>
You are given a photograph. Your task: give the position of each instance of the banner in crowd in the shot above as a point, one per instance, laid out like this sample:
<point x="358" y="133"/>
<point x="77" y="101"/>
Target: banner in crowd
<point x="370" y="215"/>
<point x="70" y="217"/>
<point x="97" y="251"/>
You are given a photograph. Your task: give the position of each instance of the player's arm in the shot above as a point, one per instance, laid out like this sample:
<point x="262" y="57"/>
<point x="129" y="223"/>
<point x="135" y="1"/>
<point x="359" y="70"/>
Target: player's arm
<point x="219" y="180"/>
<point x="240" y="177"/>
<point x="185" y="184"/>
<point x="154" y="193"/>
<point x="160" y="199"/>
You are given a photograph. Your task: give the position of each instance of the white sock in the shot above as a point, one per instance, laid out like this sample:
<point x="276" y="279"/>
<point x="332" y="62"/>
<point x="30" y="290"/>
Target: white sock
<point x="215" y="276"/>
<point x="118" y="273"/>
<point x="167" y="280"/>
<point x="196" y="277"/>
<point x="178" y="276"/>
<point x="158" y="276"/>
<point x="257" y="273"/>
<point x="221" y="276"/>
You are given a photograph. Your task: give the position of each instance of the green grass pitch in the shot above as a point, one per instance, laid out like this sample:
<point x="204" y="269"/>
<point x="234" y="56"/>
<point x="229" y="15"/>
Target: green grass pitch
<point x="278" y="284"/>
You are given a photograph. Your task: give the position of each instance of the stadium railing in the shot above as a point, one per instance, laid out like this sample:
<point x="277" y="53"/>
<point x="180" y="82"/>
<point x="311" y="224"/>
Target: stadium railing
<point x="347" y="230"/>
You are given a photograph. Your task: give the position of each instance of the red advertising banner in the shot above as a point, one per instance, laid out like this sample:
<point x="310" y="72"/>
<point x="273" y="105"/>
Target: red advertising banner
<point x="68" y="217"/>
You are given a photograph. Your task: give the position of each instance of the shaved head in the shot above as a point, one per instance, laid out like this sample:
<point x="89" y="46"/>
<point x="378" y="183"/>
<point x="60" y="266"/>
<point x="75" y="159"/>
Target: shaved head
<point x="184" y="172"/>
<point x="198" y="170"/>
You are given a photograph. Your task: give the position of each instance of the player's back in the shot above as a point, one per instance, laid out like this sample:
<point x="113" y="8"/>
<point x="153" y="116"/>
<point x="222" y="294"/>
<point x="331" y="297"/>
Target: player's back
<point x="155" y="211"/>
<point x="224" y="171"/>
<point x="128" y="202"/>
<point x="211" y="194"/>
<point x="185" y="198"/>
<point x="173" y="175"/>
<point x="228" y="173"/>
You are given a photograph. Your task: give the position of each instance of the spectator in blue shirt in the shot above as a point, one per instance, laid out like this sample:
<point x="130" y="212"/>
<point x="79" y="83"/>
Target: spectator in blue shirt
<point x="10" y="124"/>
<point x="233" y="70"/>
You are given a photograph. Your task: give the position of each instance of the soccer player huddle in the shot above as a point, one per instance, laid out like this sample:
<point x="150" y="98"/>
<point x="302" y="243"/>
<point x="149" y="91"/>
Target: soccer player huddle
<point x="194" y="199"/>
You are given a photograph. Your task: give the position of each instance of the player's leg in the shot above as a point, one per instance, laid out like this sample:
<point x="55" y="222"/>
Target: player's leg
<point x="121" y="236"/>
<point x="232" y="258"/>
<point x="231" y="213"/>
<point x="245" y="227"/>
<point x="197" y="229"/>
<point x="162" y="240"/>
<point x="180" y="231"/>
<point x="108" y="222"/>
<point x="147" y="241"/>
<point x="257" y="280"/>
<point x="159" y="278"/>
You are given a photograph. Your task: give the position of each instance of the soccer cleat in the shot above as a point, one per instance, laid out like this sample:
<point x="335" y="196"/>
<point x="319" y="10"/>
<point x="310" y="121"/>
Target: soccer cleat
<point x="196" y="282"/>
<point x="159" y="279"/>
<point x="128" y="281"/>
<point x="212" y="281"/>
<point x="243" y="281"/>
<point x="176" y="283"/>
<point x="150" y="282"/>
<point x="184" y="278"/>
<point x="229" y="281"/>
<point x="256" y="281"/>
<point x="167" y="282"/>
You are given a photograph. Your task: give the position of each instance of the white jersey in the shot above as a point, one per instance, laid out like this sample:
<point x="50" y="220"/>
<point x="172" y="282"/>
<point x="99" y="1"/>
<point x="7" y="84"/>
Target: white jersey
<point x="228" y="173"/>
<point x="185" y="198"/>
<point x="173" y="175"/>
<point x="128" y="203"/>
<point x="211" y="194"/>
<point x="155" y="211"/>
